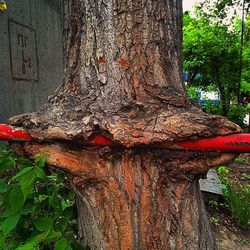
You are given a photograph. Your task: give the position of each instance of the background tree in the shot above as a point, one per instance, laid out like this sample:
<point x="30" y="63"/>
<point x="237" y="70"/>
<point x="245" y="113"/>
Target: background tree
<point x="245" y="78"/>
<point x="219" y="59"/>
<point x="123" y="80"/>
<point x="211" y="51"/>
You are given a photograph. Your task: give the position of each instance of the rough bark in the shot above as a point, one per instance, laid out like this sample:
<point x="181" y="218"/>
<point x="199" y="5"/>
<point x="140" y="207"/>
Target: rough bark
<point x="137" y="198"/>
<point x="123" y="79"/>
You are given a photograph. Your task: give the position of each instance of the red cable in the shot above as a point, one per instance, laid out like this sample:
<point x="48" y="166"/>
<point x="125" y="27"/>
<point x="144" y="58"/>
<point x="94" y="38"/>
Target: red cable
<point x="10" y="133"/>
<point x="238" y="143"/>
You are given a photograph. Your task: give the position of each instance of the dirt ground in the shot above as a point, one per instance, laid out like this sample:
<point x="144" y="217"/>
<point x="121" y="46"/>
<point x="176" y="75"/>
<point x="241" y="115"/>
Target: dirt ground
<point x="228" y="233"/>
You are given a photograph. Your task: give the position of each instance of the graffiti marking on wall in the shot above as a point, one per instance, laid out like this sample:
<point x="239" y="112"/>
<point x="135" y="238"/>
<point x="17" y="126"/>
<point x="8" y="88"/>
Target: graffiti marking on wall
<point x="23" y="52"/>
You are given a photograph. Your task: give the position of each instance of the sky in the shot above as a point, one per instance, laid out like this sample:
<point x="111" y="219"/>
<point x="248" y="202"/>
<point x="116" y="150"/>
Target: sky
<point x="189" y="4"/>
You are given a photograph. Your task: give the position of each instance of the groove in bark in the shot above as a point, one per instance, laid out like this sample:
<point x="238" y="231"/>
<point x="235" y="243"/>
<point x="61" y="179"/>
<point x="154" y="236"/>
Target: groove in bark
<point x="123" y="79"/>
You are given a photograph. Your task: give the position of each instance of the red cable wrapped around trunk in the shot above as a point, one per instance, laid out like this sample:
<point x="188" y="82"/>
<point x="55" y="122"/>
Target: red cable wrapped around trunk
<point x="10" y="133"/>
<point x="235" y="143"/>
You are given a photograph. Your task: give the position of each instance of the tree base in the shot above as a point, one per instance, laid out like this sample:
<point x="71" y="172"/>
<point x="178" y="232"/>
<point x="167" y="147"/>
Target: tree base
<point x="137" y="198"/>
<point x="174" y="219"/>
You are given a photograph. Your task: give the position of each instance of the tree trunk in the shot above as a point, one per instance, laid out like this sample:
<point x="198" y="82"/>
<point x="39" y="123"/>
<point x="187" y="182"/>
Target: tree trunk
<point x="123" y="79"/>
<point x="137" y="198"/>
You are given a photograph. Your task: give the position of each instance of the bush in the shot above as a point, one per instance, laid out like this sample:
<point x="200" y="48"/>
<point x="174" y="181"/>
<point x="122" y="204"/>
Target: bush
<point x="212" y="108"/>
<point x="192" y="93"/>
<point x="237" y="197"/>
<point x="38" y="210"/>
<point x="237" y="114"/>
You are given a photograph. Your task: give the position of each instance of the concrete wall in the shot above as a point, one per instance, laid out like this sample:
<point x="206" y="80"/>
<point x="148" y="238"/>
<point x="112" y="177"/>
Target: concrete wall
<point x="31" y="55"/>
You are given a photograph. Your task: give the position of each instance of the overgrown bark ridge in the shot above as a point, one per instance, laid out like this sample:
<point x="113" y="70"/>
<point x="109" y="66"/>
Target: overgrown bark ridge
<point x="123" y="77"/>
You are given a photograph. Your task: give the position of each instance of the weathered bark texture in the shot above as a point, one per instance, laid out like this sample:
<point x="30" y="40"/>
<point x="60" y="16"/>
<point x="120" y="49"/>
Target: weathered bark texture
<point x="137" y="198"/>
<point x="123" y="79"/>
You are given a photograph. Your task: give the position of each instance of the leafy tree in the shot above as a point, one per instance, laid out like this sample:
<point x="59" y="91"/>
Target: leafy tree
<point x="211" y="51"/>
<point x="230" y="72"/>
<point x="245" y="79"/>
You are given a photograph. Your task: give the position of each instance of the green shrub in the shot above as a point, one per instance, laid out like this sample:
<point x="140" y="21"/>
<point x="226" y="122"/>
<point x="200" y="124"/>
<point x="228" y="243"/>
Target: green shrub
<point x="212" y="108"/>
<point x="37" y="209"/>
<point x="237" y="114"/>
<point x="237" y="197"/>
<point x="192" y="93"/>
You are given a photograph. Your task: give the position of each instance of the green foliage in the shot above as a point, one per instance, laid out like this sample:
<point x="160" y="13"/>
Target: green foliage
<point x="213" y="51"/>
<point x="242" y="160"/>
<point x="223" y="170"/>
<point x="38" y="211"/>
<point x="237" y="197"/>
<point x="213" y="203"/>
<point x="212" y="108"/>
<point x="192" y="93"/>
<point x="237" y="114"/>
<point x="214" y="220"/>
<point x="245" y="176"/>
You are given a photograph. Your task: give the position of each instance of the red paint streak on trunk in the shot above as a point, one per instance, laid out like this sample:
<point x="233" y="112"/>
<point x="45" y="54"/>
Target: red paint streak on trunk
<point x="10" y="133"/>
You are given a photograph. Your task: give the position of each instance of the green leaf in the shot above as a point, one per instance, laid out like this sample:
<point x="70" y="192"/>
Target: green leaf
<point x="223" y="170"/>
<point x="12" y="244"/>
<point x="3" y="186"/>
<point x="40" y="160"/>
<point x="28" y="246"/>
<point x="52" y="235"/>
<point x="40" y="173"/>
<point x="2" y="239"/>
<point x="61" y="224"/>
<point x="27" y="183"/>
<point x="25" y="162"/>
<point x="22" y="172"/>
<point x="3" y="6"/>
<point x="54" y="201"/>
<point x="16" y="199"/>
<point x="9" y="223"/>
<point x="44" y="223"/>
<point x="28" y="208"/>
<point x="66" y="204"/>
<point x="5" y="163"/>
<point x="8" y="212"/>
<point x="62" y="244"/>
<point x="36" y="239"/>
